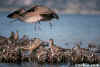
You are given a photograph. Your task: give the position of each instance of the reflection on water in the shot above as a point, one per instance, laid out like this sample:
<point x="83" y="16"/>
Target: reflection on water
<point x="35" y="65"/>
<point x="48" y="65"/>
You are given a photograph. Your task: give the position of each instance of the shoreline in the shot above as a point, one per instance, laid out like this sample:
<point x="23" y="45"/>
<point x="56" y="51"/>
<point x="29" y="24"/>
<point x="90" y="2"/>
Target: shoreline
<point x="14" y="50"/>
<point x="66" y="11"/>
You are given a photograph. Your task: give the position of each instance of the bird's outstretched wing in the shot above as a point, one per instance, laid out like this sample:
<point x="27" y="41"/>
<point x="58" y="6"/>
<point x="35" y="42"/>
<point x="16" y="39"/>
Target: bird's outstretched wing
<point x="16" y="13"/>
<point x="36" y="11"/>
<point x="29" y="12"/>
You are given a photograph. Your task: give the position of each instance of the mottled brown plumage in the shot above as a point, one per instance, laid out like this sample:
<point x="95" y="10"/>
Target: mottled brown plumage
<point x="35" y="14"/>
<point x="16" y="13"/>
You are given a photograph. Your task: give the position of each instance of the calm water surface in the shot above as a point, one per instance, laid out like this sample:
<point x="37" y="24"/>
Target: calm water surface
<point x="69" y="29"/>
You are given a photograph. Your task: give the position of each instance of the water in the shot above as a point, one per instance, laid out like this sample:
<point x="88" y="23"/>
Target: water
<point x="34" y="65"/>
<point x="69" y="29"/>
<point x="48" y="65"/>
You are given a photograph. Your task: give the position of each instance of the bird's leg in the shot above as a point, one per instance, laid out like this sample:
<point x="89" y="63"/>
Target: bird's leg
<point x="50" y="25"/>
<point x="39" y="22"/>
<point x="39" y="26"/>
<point x="36" y="30"/>
<point x="35" y="27"/>
<point x="33" y="30"/>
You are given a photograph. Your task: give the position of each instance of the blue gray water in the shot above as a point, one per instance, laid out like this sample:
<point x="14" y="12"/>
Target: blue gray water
<point x="35" y="65"/>
<point x="69" y="29"/>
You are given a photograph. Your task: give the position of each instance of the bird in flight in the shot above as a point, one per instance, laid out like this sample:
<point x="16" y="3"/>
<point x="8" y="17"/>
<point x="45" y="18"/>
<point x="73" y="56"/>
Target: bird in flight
<point x="34" y="15"/>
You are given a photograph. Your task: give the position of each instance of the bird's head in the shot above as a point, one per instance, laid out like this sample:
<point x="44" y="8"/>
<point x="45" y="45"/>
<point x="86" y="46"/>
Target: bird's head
<point x="55" y="16"/>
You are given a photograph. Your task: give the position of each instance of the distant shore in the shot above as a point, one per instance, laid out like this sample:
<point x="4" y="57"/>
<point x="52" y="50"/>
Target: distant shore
<point x="64" y="11"/>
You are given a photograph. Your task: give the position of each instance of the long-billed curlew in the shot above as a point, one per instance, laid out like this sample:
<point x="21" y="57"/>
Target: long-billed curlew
<point x="35" y="15"/>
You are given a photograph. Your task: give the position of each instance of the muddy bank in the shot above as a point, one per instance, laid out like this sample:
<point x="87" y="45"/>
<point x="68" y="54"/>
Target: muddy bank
<point x="16" y="50"/>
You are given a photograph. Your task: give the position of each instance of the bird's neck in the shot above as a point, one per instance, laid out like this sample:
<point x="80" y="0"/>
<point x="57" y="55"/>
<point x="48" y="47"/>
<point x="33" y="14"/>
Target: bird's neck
<point x="51" y="44"/>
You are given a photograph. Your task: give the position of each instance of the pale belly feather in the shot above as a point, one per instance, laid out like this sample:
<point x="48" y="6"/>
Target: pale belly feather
<point x="32" y="19"/>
